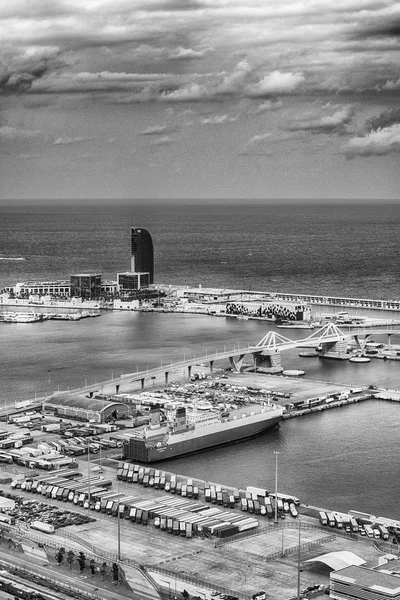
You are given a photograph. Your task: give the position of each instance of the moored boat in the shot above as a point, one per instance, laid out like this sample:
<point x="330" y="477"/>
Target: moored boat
<point x="360" y="359"/>
<point x="22" y="317"/>
<point x="295" y="325"/>
<point x="184" y="432"/>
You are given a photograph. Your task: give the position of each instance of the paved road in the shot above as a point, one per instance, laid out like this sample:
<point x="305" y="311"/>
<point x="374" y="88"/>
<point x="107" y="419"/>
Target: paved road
<point x="81" y="583"/>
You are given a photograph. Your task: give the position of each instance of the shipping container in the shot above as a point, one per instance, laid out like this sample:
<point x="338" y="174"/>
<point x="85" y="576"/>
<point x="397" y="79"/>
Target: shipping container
<point x="323" y="519"/>
<point x="331" y="519"/>
<point x="353" y="525"/>
<point x="247" y="526"/>
<point x="369" y="531"/>
<point x="255" y="491"/>
<point x="44" y="527"/>
<point x="338" y="521"/>
<point x="377" y="533"/>
<point x="384" y="533"/>
<point x="132" y="514"/>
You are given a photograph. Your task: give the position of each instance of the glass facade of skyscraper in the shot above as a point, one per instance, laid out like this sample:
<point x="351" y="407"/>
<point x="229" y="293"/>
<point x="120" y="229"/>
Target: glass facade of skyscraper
<point x="142" y="254"/>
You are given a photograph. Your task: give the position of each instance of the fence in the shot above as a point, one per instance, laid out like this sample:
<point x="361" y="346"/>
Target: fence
<point x="273" y="529"/>
<point x="295" y="549"/>
<point x="47" y="582"/>
<point x="200" y="583"/>
<point x="109" y="556"/>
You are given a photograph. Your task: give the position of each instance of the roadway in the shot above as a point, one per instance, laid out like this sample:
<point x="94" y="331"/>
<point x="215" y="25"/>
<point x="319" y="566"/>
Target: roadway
<point x="273" y="341"/>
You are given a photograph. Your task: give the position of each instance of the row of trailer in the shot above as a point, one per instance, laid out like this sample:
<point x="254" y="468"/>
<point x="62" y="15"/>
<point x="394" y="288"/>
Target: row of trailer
<point x="178" y="513"/>
<point x="149" y="477"/>
<point x="255" y="501"/>
<point x="174" y="514"/>
<point x="66" y="486"/>
<point x="351" y="525"/>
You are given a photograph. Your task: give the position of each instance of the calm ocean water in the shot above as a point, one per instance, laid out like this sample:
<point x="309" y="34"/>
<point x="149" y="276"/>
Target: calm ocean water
<point x="341" y="459"/>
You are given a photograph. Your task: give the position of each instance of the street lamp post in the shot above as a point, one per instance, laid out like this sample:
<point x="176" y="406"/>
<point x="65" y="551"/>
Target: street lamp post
<point x="298" y="566"/>
<point x="276" y="487"/>
<point x="88" y="469"/>
<point x="119" y="528"/>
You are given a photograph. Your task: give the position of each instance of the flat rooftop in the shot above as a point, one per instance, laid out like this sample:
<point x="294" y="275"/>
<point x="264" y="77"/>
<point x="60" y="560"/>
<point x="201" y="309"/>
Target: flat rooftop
<point x="376" y="580"/>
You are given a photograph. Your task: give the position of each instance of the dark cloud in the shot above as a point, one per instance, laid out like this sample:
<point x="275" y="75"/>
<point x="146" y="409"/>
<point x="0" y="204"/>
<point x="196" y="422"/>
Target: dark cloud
<point x="385" y="119"/>
<point x="19" y="69"/>
<point x="390" y="29"/>
<point x="175" y="5"/>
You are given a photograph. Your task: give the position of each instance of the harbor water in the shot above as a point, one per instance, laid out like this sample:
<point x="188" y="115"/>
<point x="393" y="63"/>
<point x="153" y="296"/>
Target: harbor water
<point x="341" y="458"/>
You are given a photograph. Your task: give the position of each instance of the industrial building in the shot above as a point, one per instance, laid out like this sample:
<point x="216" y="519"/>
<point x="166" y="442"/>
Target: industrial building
<point x="361" y="583"/>
<point x="84" y="408"/>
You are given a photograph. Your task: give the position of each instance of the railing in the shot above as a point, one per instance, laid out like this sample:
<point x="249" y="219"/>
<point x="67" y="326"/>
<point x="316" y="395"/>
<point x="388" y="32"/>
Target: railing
<point x="295" y="549"/>
<point x="55" y="584"/>
<point x="109" y="556"/>
<point x="200" y="583"/>
<point x="273" y="529"/>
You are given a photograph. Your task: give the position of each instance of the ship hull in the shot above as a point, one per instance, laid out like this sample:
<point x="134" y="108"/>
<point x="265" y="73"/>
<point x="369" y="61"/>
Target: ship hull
<point x="137" y="449"/>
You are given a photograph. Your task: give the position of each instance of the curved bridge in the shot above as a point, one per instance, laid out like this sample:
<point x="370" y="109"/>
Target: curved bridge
<point x="267" y="350"/>
<point x="265" y="353"/>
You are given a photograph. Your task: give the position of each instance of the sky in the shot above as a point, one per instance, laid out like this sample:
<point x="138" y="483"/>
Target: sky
<point x="199" y="99"/>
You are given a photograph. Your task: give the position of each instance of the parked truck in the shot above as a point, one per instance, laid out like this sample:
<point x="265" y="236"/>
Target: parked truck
<point x="42" y="526"/>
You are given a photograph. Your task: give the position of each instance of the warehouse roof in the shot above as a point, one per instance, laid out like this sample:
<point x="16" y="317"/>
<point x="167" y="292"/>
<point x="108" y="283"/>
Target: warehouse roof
<point x="81" y="402"/>
<point x="374" y="580"/>
<point x="338" y="560"/>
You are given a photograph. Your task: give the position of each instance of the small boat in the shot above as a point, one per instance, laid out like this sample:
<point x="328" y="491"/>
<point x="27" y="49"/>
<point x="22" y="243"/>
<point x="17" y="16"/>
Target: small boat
<point x="360" y="359"/>
<point x="293" y="373"/>
<point x="308" y="354"/>
<point x="22" y="317"/>
<point x="296" y="325"/>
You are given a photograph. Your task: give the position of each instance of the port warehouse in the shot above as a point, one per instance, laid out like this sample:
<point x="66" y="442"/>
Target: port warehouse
<point x="85" y="408"/>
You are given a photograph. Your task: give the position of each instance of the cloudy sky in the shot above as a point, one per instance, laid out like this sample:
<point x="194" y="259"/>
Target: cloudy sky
<point x="199" y="99"/>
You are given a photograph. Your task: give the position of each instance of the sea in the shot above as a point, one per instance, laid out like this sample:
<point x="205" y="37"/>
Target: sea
<point x="340" y="459"/>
